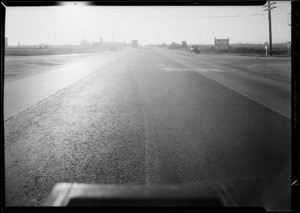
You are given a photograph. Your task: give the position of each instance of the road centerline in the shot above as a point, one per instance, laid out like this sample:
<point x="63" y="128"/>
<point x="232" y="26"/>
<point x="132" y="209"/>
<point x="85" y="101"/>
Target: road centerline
<point x="151" y="158"/>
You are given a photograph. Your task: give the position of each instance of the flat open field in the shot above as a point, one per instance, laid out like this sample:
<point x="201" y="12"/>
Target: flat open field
<point x="22" y="62"/>
<point x="27" y="51"/>
<point x="17" y="67"/>
<point x="260" y="51"/>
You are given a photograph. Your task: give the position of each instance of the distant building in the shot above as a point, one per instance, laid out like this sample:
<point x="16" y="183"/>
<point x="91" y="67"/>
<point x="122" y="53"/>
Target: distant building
<point x="222" y="43"/>
<point x="19" y="45"/>
<point x="97" y="44"/>
<point x="101" y="40"/>
<point x="183" y="44"/>
<point x="84" y="43"/>
<point x="6" y="42"/>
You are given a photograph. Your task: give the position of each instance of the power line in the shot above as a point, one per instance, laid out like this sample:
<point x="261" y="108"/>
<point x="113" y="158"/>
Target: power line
<point x="174" y="17"/>
<point x="185" y="17"/>
<point x="197" y="17"/>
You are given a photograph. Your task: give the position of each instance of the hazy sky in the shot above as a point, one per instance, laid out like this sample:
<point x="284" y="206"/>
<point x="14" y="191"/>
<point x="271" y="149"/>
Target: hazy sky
<point x="156" y="24"/>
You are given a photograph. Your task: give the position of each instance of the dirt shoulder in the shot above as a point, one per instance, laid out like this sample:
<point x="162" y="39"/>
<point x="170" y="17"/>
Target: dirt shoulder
<point x="17" y="67"/>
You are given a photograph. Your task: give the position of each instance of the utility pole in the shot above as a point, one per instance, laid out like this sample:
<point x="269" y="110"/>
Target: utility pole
<point x="289" y="24"/>
<point x="270" y="22"/>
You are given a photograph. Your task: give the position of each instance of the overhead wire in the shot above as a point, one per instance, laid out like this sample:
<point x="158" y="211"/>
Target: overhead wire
<point x="165" y="17"/>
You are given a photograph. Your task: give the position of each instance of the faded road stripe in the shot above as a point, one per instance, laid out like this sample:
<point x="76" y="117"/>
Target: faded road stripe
<point x="152" y="175"/>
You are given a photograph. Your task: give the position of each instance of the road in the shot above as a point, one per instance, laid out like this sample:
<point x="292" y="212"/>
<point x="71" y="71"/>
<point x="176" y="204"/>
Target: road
<point x="153" y="116"/>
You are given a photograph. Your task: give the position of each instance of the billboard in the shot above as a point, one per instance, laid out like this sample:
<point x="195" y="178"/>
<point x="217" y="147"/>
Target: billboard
<point x="221" y="43"/>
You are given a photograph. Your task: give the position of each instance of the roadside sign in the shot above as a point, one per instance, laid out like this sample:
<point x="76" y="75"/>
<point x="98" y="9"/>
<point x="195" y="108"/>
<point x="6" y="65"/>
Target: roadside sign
<point x="221" y="43"/>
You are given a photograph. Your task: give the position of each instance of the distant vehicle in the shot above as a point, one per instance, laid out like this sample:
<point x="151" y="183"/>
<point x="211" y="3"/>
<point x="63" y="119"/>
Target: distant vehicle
<point x="135" y="43"/>
<point x="196" y="49"/>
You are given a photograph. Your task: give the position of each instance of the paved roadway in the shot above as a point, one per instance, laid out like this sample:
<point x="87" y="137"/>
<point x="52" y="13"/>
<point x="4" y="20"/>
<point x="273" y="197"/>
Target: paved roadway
<point x="154" y="116"/>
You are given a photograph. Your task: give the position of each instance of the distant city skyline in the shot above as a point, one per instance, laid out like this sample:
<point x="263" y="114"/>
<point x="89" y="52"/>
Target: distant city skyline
<point x="65" y="25"/>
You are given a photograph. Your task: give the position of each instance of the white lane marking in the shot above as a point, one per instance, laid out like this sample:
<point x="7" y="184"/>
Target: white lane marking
<point x="143" y="65"/>
<point x="129" y="65"/>
<point x="208" y="69"/>
<point x="197" y="69"/>
<point x="151" y="159"/>
<point x="178" y="60"/>
<point x="228" y="85"/>
<point x="248" y="96"/>
<point x="176" y="69"/>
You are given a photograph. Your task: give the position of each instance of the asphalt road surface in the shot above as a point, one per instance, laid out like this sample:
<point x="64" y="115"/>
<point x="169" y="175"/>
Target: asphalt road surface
<point x="152" y="116"/>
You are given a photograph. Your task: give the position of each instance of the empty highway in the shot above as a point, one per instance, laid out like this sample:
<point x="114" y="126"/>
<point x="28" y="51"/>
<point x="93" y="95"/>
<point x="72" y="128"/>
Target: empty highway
<point x="149" y="116"/>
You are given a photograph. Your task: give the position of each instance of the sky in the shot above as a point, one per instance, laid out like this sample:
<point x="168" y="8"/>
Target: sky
<point x="70" y="24"/>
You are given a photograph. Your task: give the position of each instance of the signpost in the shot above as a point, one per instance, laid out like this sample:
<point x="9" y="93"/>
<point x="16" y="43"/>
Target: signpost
<point x="266" y="48"/>
<point x="221" y="43"/>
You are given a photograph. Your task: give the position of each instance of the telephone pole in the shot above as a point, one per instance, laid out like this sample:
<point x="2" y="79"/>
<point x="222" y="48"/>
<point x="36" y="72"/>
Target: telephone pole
<point x="270" y="22"/>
